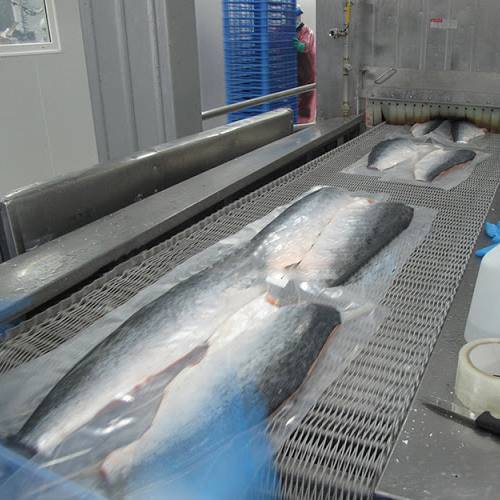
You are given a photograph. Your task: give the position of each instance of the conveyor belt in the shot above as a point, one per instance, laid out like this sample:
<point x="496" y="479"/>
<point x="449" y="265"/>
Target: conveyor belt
<point x="342" y="446"/>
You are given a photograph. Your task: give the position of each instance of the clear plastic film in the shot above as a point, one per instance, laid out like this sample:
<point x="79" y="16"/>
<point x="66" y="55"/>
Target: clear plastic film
<point x="460" y="132"/>
<point x="194" y="384"/>
<point x="449" y="131"/>
<point x="395" y="152"/>
<point x="444" y="167"/>
<point x="428" y="160"/>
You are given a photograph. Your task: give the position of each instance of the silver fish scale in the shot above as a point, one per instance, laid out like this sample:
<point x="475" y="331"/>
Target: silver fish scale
<point x="342" y="445"/>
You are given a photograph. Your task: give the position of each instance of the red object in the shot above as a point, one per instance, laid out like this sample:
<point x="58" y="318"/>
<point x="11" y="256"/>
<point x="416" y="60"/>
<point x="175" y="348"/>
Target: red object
<point x="437" y="20"/>
<point x="307" y="74"/>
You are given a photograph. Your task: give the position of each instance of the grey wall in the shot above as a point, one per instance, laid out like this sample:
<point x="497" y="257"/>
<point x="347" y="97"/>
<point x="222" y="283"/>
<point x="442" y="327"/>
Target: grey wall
<point x="143" y="72"/>
<point x="329" y="65"/>
<point x="211" y="54"/>
<point x="47" y="126"/>
<point x="399" y="34"/>
<point x="309" y="8"/>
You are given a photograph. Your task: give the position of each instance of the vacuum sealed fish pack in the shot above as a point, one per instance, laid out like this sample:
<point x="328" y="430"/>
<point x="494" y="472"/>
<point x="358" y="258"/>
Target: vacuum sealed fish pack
<point x="444" y="167"/>
<point x="396" y="152"/>
<point x="449" y="131"/>
<point x="422" y="159"/>
<point x="202" y="376"/>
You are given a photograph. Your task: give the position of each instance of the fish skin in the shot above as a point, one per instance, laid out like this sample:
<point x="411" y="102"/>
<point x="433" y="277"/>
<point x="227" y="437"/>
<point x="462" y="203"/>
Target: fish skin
<point x="289" y="341"/>
<point x="391" y="152"/>
<point x="159" y="340"/>
<point x="463" y="131"/>
<point x="75" y="405"/>
<point x="422" y="129"/>
<point x="87" y="406"/>
<point x="445" y="130"/>
<point x="285" y="241"/>
<point x="360" y="230"/>
<point x="437" y="162"/>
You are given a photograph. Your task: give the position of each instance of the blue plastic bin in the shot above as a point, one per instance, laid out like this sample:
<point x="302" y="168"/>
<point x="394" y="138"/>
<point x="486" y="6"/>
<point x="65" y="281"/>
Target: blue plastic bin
<point x="259" y="54"/>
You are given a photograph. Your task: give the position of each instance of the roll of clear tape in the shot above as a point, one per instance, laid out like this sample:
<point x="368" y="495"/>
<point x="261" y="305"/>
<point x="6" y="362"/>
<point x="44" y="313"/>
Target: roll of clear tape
<point x="477" y="384"/>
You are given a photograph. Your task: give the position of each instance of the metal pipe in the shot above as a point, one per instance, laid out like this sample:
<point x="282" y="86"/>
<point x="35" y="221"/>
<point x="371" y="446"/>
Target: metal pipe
<point x="346" y="107"/>
<point x="346" y="60"/>
<point x="229" y="108"/>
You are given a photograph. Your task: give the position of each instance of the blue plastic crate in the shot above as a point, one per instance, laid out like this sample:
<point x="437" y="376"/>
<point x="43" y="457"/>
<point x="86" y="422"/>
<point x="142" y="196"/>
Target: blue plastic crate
<point x="259" y="54"/>
<point x="21" y="478"/>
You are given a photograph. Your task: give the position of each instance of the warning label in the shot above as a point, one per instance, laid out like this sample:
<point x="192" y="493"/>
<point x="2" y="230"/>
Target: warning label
<point x="441" y="23"/>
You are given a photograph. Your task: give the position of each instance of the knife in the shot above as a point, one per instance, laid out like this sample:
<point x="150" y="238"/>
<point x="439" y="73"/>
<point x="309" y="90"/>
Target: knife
<point x="485" y="421"/>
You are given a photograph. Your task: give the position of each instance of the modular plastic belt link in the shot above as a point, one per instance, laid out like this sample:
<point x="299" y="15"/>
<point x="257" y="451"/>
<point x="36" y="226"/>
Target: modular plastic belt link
<point x="343" y="444"/>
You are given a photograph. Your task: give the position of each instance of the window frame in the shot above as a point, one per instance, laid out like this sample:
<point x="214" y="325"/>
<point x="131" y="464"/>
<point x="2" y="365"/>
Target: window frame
<point x="51" y="47"/>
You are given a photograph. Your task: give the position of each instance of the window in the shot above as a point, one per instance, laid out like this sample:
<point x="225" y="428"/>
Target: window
<point x="28" y="27"/>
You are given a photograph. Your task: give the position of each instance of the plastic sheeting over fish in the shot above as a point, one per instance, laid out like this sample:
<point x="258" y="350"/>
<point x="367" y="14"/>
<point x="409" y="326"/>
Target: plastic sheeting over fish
<point x="440" y="161"/>
<point x="429" y="155"/>
<point x="174" y="331"/>
<point x="159" y="390"/>
<point x="422" y="129"/>
<point x="464" y="132"/>
<point x="456" y="131"/>
<point x="269" y="361"/>
<point x="392" y="152"/>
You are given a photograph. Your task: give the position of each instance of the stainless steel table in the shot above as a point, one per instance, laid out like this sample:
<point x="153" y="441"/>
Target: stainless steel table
<point x="437" y="457"/>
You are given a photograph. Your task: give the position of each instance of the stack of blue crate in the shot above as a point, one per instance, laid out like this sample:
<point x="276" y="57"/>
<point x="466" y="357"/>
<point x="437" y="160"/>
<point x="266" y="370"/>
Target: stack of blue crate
<point x="259" y="54"/>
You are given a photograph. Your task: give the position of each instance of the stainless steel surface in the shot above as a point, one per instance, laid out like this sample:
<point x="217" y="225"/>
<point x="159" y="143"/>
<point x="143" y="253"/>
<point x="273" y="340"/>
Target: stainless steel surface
<point x="36" y="277"/>
<point x="439" y="87"/>
<point x="143" y="71"/>
<point x="229" y="108"/>
<point x="383" y="77"/>
<point x="341" y="447"/>
<point x="441" y="52"/>
<point x="330" y="53"/>
<point x="402" y="112"/>
<point x="37" y="214"/>
<point x="346" y="62"/>
<point x="437" y="458"/>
